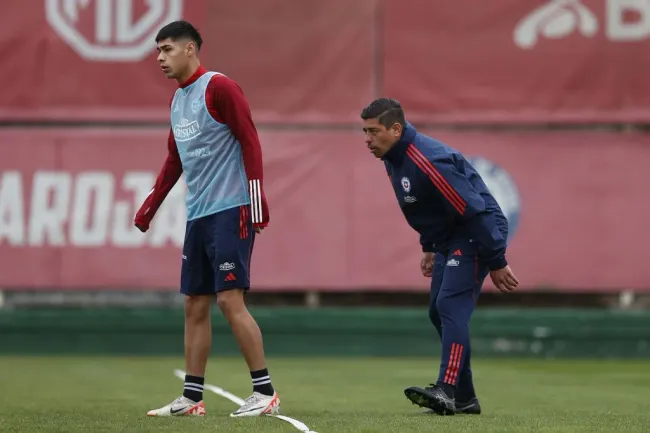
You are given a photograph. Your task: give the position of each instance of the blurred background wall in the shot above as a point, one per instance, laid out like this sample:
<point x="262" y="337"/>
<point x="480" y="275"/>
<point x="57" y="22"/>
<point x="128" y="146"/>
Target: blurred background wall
<point x="550" y="100"/>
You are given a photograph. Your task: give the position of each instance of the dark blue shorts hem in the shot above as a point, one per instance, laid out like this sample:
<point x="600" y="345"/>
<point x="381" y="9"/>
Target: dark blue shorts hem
<point x="217" y="253"/>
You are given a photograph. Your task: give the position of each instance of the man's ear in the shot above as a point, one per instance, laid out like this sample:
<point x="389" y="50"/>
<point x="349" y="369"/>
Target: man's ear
<point x="397" y="130"/>
<point x="190" y="48"/>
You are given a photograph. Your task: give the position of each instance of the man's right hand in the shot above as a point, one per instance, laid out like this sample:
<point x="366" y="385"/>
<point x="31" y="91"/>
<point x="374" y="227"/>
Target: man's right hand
<point x="426" y="264"/>
<point x="504" y="279"/>
<point x="143" y="227"/>
<point x="140" y="220"/>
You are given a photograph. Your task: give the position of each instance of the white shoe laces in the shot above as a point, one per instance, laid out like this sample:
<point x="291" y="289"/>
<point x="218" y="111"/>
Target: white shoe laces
<point x="180" y="401"/>
<point x="251" y="401"/>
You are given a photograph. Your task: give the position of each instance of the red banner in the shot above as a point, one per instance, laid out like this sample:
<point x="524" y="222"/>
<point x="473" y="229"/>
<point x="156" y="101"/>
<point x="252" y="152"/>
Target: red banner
<point x="308" y="61"/>
<point x="577" y="203"/>
<point x="94" y="60"/>
<point x="297" y="60"/>
<point x="519" y="61"/>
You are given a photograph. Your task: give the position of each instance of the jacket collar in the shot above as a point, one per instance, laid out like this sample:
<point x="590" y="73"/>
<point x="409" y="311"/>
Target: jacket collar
<point x="396" y="153"/>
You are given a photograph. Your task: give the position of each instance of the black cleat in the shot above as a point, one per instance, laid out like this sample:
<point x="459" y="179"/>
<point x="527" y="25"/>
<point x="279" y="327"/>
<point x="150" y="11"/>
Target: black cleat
<point x="471" y="407"/>
<point x="432" y="397"/>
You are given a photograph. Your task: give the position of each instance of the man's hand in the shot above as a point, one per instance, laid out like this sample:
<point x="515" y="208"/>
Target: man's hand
<point x="258" y="229"/>
<point x="426" y="264"/>
<point x="504" y="279"/>
<point x="140" y="222"/>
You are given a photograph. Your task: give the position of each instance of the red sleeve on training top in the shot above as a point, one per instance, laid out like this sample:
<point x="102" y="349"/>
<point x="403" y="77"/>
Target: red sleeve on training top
<point x="227" y="104"/>
<point x="169" y="174"/>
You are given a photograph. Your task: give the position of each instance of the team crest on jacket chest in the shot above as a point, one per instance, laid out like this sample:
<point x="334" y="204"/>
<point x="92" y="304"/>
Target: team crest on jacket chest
<point x="406" y="184"/>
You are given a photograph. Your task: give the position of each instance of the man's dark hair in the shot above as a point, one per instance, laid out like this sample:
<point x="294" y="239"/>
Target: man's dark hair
<point x="387" y="112"/>
<point x="179" y="30"/>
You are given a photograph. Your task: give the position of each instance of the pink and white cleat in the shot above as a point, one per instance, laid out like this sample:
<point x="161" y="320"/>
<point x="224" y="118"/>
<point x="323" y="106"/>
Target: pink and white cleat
<point x="258" y="405"/>
<point x="182" y="406"/>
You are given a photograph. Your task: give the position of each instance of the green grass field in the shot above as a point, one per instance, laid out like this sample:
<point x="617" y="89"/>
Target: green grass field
<point x="330" y="395"/>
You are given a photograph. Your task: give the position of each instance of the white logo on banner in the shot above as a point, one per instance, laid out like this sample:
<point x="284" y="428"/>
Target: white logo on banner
<point x="85" y="209"/>
<point x="117" y="36"/>
<point x="560" y="18"/>
<point x="555" y="20"/>
<point x="502" y="187"/>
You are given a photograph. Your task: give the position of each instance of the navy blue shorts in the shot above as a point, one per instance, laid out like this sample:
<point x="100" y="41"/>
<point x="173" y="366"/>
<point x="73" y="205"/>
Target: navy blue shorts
<point x="217" y="252"/>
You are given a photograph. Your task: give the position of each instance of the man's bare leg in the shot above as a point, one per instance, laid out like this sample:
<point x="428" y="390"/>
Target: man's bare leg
<point x="198" y="339"/>
<point x="249" y="337"/>
<point x="244" y="327"/>
<point x="198" y="334"/>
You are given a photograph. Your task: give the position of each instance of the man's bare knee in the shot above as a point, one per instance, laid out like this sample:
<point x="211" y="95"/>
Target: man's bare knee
<point x="197" y="308"/>
<point x="231" y="301"/>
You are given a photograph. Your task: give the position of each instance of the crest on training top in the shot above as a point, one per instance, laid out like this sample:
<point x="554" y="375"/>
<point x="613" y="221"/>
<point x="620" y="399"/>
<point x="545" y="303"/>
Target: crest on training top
<point x="406" y="184"/>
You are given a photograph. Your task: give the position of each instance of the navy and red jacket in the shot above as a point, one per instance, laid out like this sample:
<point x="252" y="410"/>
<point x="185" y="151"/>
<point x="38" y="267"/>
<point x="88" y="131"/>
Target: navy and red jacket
<point x="444" y="198"/>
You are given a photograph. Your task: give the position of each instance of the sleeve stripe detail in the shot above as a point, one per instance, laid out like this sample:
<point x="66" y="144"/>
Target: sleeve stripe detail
<point x="438" y="180"/>
<point x="256" y="201"/>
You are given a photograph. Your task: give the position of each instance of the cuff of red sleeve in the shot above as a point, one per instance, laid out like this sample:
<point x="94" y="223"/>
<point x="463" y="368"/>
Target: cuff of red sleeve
<point x="142" y="224"/>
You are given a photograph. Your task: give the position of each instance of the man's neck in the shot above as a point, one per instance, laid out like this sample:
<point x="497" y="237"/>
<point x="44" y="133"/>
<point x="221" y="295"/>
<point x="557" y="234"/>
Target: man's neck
<point x="189" y="72"/>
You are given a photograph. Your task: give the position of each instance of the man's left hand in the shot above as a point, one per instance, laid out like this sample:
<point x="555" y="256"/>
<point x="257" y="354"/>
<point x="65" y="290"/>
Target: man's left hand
<point x="504" y="279"/>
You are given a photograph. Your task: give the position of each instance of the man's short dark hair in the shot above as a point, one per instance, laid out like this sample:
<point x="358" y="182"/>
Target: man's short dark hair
<point x="387" y="112"/>
<point x="179" y="30"/>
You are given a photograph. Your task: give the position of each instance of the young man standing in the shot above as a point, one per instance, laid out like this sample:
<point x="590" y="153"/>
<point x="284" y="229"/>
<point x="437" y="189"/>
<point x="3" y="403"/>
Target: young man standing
<point x="213" y="141"/>
<point x="463" y="236"/>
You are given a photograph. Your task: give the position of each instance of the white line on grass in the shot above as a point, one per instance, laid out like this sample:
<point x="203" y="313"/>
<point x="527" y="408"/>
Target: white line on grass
<point x="238" y="401"/>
